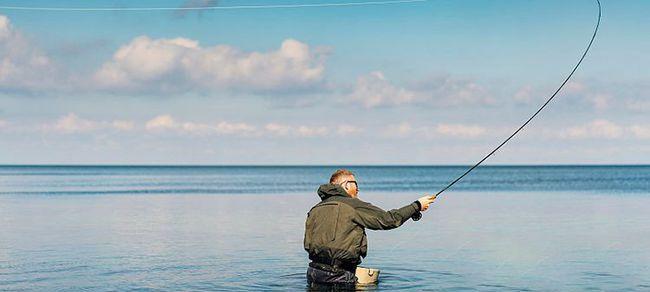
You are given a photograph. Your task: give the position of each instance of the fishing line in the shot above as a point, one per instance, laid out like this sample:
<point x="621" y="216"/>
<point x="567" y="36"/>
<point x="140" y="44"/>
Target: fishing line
<point x="538" y="110"/>
<point x="238" y="7"/>
<point x="365" y="3"/>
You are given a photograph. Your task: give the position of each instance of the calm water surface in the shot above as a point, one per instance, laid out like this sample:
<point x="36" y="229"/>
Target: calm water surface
<point x="240" y="228"/>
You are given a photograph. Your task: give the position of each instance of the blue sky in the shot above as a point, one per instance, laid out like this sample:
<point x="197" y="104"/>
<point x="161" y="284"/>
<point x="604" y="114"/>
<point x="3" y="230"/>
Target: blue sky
<point x="435" y="82"/>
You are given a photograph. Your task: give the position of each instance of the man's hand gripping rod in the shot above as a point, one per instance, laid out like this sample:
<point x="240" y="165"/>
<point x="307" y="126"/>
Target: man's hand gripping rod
<point x="418" y="215"/>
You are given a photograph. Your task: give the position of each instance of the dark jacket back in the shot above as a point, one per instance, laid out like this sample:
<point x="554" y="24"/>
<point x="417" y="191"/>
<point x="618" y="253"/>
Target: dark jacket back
<point x="335" y="227"/>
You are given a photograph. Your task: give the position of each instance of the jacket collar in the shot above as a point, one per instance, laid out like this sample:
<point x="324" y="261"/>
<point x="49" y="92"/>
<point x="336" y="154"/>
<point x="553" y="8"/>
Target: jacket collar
<point x="326" y="191"/>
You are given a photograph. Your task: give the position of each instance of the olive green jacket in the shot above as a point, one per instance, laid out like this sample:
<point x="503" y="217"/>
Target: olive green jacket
<point x="335" y="227"/>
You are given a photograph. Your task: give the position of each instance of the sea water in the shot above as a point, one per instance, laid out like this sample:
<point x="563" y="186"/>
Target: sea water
<point x="518" y="228"/>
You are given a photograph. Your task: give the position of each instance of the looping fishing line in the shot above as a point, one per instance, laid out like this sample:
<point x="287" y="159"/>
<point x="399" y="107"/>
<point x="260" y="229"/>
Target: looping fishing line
<point x="365" y="3"/>
<point x="593" y="37"/>
<point x="238" y="7"/>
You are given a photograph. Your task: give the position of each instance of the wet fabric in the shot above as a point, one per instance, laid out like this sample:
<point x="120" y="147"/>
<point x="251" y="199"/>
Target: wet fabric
<point x="320" y="278"/>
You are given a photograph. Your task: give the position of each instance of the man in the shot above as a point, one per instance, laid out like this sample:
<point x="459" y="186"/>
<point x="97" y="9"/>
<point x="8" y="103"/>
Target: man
<point x="335" y="236"/>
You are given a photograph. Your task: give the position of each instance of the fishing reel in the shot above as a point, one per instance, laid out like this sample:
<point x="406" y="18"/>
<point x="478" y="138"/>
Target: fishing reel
<point x="417" y="216"/>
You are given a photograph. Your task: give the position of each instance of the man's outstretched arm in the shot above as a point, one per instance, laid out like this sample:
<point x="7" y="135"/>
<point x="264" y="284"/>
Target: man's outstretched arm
<point x="375" y="218"/>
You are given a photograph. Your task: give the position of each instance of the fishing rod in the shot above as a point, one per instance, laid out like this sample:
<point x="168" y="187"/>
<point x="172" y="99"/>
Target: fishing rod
<point x="363" y="3"/>
<point x="593" y="37"/>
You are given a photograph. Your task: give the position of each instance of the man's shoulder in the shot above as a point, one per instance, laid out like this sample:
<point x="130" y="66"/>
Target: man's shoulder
<point x="350" y="202"/>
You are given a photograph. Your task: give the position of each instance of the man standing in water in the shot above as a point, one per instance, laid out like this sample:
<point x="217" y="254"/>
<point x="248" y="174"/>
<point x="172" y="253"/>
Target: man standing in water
<point x="335" y="236"/>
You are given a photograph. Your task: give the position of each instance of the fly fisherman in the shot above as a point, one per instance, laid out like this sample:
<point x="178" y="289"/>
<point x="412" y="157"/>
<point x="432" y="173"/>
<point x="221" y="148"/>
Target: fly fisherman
<point x="335" y="236"/>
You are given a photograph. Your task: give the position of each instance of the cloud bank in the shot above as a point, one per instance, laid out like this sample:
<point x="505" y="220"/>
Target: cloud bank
<point x="164" y="66"/>
<point x="22" y="65"/>
<point x="181" y="65"/>
<point x="605" y="129"/>
<point x="375" y="90"/>
<point x="166" y="124"/>
<point x="463" y="131"/>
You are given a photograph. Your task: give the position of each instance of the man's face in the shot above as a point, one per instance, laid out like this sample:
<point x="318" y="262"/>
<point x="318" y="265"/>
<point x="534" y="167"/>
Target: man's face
<point x="350" y="186"/>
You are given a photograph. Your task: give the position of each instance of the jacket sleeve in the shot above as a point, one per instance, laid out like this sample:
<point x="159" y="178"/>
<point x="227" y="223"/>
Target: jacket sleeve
<point x="373" y="217"/>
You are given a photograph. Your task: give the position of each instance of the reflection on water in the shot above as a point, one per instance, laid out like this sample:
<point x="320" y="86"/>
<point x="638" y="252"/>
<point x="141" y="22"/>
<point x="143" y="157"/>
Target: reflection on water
<point x="531" y="241"/>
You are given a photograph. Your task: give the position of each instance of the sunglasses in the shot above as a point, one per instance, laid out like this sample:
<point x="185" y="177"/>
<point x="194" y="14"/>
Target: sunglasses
<point x="352" y="181"/>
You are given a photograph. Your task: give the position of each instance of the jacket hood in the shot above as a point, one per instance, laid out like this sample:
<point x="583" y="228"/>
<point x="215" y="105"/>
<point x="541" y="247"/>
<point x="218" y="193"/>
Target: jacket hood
<point x="329" y="190"/>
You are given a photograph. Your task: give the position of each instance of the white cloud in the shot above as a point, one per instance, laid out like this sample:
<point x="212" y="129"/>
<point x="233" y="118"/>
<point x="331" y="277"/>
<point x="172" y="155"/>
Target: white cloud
<point x="345" y="130"/>
<point x="167" y="123"/>
<point x="598" y="101"/>
<point x="524" y="94"/>
<point x="640" y="131"/>
<point x="399" y="130"/>
<point x="306" y="131"/>
<point x="123" y="125"/>
<point x="575" y="87"/>
<point x="182" y="65"/>
<point x="448" y="91"/>
<point x="232" y="128"/>
<point x="276" y="129"/>
<point x="604" y="129"/>
<point x="23" y="67"/>
<point x="163" y="66"/>
<point x="595" y="129"/>
<point x="452" y="130"/>
<point x="375" y="90"/>
<point x="71" y="123"/>
<point x="587" y="95"/>
<point x="459" y="130"/>
<point x="617" y="97"/>
<point x="4" y="125"/>
<point x="638" y="105"/>
<point x="161" y="122"/>
<point x="196" y="128"/>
